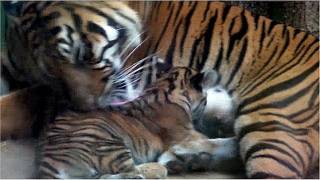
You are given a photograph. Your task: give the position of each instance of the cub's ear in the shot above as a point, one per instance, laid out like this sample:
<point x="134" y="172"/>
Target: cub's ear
<point x="162" y="66"/>
<point x="210" y="79"/>
<point x="205" y="80"/>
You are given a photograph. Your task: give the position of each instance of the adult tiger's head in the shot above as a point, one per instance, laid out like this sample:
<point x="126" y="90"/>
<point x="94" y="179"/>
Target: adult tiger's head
<point x="80" y="47"/>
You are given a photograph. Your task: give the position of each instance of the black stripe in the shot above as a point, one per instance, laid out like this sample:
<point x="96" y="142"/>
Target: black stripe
<point x="186" y="27"/>
<point x="109" y="149"/>
<point x="255" y="83"/>
<point x="297" y="154"/>
<point x="280" y="161"/>
<point x="195" y="47"/>
<point x="308" y="118"/>
<point x="118" y="158"/>
<point x="225" y="12"/>
<point x="261" y="146"/>
<point x="314" y="52"/>
<point x="63" y="41"/>
<point x="219" y="57"/>
<point x="302" y="41"/>
<point x="164" y="28"/>
<point x="207" y="42"/>
<point x="178" y="11"/>
<point x="270" y="41"/>
<point x="307" y="144"/>
<point x="77" y="21"/>
<point x="54" y="15"/>
<point x="238" y="35"/>
<point x="106" y="47"/>
<point x="205" y="12"/>
<point x="70" y="31"/>
<point x="156" y="9"/>
<point x="278" y="72"/>
<point x="54" y="31"/>
<point x="124" y="167"/>
<point x="269" y="127"/>
<point x="171" y="50"/>
<point x="93" y="27"/>
<point x="62" y="158"/>
<point x="118" y="12"/>
<point x="277" y="104"/>
<point x="239" y="62"/>
<point x="271" y="26"/>
<point x="285" y="46"/>
<point x="288" y="84"/>
<point x="314" y="97"/>
<point x="296" y="32"/>
<point x="65" y="141"/>
<point x="263" y="34"/>
<point x="48" y="166"/>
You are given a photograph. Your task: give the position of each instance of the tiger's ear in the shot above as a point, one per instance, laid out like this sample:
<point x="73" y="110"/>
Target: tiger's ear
<point x="205" y="80"/>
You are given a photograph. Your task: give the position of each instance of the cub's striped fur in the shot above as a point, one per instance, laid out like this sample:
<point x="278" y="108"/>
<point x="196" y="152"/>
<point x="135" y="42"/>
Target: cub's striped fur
<point x="270" y="69"/>
<point x="113" y="142"/>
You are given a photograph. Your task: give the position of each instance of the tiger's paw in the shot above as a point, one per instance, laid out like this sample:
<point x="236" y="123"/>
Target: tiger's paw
<point x="177" y="161"/>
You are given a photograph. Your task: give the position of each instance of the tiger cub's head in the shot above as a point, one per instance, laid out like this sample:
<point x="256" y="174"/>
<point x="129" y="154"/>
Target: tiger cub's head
<point x="79" y="47"/>
<point x="187" y="88"/>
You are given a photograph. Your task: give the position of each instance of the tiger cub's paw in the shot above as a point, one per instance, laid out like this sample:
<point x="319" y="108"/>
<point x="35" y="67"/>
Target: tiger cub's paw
<point x="177" y="162"/>
<point x="142" y="171"/>
<point x="129" y="175"/>
<point x="152" y="170"/>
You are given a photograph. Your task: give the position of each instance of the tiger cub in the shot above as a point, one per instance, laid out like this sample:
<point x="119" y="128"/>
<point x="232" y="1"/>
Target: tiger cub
<point x="112" y="143"/>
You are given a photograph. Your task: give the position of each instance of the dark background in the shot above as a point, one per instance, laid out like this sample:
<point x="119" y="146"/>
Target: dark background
<point x="303" y="15"/>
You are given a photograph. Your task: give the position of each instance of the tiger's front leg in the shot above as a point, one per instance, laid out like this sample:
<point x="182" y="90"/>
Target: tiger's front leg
<point x="199" y="153"/>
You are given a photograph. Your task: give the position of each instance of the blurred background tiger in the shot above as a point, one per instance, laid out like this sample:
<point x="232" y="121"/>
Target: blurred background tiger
<point x="269" y="70"/>
<point x="155" y="127"/>
<point x="76" y="48"/>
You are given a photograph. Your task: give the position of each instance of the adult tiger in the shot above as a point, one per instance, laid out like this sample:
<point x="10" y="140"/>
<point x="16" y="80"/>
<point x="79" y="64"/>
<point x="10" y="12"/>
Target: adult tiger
<point x="79" y="47"/>
<point x="270" y="69"/>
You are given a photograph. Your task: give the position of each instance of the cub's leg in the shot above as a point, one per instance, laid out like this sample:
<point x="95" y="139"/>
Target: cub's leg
<point x="199" y="153"/>
<point x="275" y="149"/>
